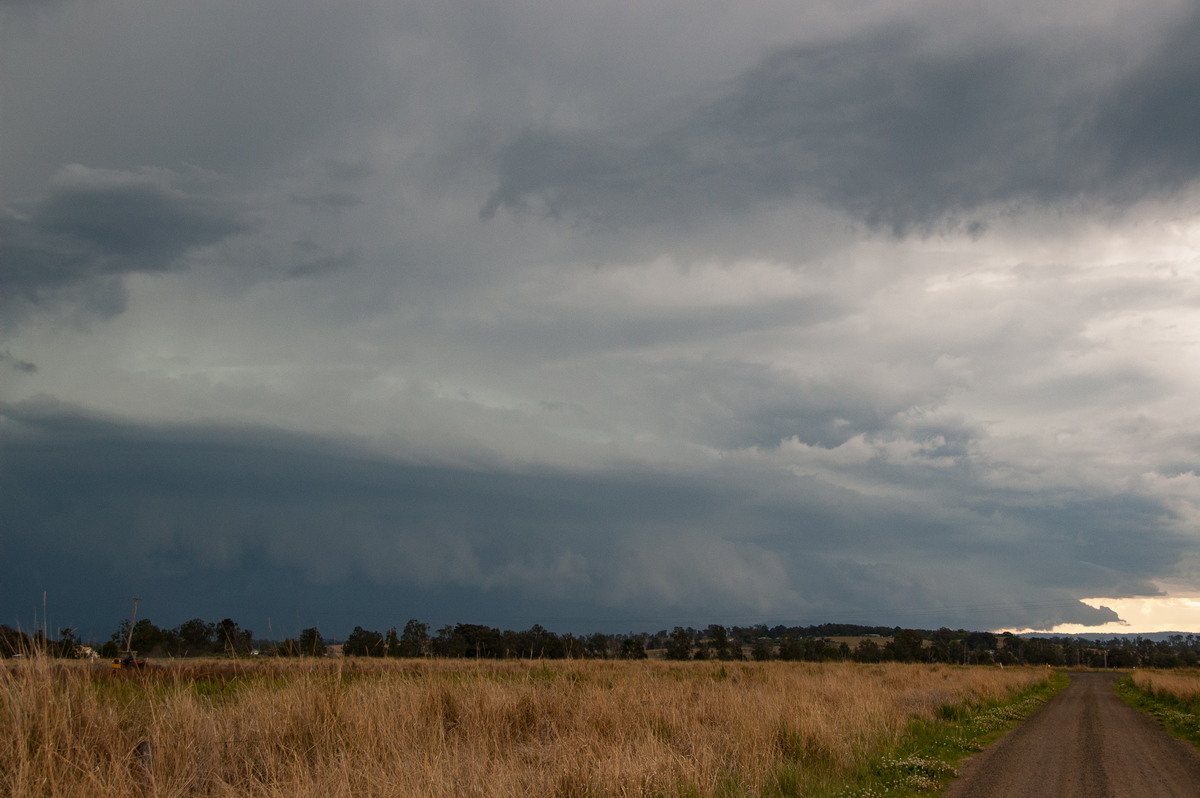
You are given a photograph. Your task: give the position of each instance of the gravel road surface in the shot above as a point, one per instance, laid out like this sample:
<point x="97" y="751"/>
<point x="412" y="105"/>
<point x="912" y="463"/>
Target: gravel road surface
<point x="1084" y="743"/>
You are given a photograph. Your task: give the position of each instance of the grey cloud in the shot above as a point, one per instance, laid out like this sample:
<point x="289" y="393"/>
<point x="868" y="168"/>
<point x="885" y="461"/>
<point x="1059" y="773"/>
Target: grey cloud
<point x="1090" y="616"/>
<point x="226" y="86"/>
<point x="925" y="599"/>
<point x="139" y="219"/>
<point x="31" y="5"/>
<point x="17" y="364"/>
<point x="155" y="503"/>
<point x="1152" y="121"/>
<point x="347" y="171"/>
<point x="901" y="127"/>
<point x="159" y="498"/>
<point x="670" y="440"/>
<point x="325" y="264"/>
<point x="97" y="224"/>
<point x="736" y="405"/>
<point x="329" y="201"/>
<point x="605" y="182"/>
<point x="595" y="330"/>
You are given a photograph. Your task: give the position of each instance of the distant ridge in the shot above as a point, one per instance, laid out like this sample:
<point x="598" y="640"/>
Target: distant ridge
<point x="1157" y="637"/>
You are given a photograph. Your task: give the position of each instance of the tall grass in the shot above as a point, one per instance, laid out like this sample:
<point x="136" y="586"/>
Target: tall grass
<point x="461" y="728"/>
<point x="1181" y="685"/>
<point x="1173" y="697"/>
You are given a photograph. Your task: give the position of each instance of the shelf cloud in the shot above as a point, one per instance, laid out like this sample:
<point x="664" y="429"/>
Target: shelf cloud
<point x="611" y="317"/>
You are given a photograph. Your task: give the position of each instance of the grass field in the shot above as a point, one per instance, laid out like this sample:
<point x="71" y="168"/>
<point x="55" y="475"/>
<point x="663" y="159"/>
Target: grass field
<point x="1171" y="696"/>
<point x="461" y="728"/>
<point x="1182" y="685"/>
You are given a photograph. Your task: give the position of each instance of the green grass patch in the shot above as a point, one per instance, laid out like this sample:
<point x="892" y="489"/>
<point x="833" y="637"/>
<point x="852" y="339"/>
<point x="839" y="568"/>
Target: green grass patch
<point x="1179" y="717"/>
<point x="927" y="758"/>
<point x="215" y="690"/>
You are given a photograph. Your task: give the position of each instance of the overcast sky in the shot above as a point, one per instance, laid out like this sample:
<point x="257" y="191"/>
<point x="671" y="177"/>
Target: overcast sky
<point x="606" y="316"/>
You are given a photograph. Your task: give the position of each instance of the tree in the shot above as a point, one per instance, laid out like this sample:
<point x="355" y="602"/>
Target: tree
<point x="981" y="641"/>
<point x="867" y="651"/>
<point x="679" y="644"/>
<point x="448" y="642"/>
<point x="763" y="650"/>
<point x="192" y="638"/>
<point x="1039" y="651"/>
<point x="906" y="646"/>
<point x="539" y="642"/>
<point x="311" y="644"/>
<point x="231" y="638"/>
<point x="596" y="646"/>
<point x="572" y="646"/>
<point x="790" y="649"/>
<point x="289" y="647"/>
<point x="12" y="641"/>
<point x="66" y="645"/>
<point x="363" y="643"/>
<point x="1121" y="656"/>
<point x="718" y="641"/>
<point x="470" y="640"/>
<point x="414" y="641"/>
<point x="633" y="647"/>
<point x="146" y="639"/>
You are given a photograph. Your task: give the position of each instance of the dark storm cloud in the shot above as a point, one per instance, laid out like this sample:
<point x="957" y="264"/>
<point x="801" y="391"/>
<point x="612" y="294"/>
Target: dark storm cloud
<point x="901" y="126"/>
<point x="139" y="220"/>
<point x="926" y="603"/>
<point x="1151" y="123"/>
<point x="207" y="510"/>
<point x="96" y="225"/>
<point x="163" y="502"/>
<point x="745" y="405"/>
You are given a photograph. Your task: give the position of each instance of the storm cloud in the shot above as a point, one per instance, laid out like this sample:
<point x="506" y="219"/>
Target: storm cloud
<point x="605" y="317"/>
<point x="897" y="125"/>
<point x="96" y="225"/>
<point x="195" y="505"/>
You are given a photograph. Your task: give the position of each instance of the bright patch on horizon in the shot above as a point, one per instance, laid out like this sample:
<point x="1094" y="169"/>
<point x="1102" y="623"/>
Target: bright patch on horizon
<point x="1141" y="615"/>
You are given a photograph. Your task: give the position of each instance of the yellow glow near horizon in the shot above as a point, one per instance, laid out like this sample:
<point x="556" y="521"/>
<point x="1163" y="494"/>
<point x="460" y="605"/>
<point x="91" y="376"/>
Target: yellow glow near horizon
<point x="1140" y="615"/>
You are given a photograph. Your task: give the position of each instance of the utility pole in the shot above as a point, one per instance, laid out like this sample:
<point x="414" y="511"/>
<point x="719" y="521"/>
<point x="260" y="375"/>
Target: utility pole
<point x="132" y="618"/>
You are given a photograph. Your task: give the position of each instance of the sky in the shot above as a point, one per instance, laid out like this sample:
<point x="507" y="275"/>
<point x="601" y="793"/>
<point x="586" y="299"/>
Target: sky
<point x="612" y="316"/>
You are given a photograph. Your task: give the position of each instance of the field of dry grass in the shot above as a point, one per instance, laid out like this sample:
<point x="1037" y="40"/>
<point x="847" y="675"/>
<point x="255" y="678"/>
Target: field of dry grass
<point x="460" y="728"/>
<point x="1173" y="697"/>
<point x="1182" y="685"/>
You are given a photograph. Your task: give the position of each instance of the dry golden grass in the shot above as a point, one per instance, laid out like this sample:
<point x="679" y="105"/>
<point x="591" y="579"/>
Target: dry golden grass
<point x="1184" y="685"/>
<point x="460" y="728"/>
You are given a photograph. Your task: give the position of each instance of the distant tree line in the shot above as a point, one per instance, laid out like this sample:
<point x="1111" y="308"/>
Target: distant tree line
<point x="818" y="643"/>
<point x="474" y="641"/>
<point x="894" y="644"/>
<point x="192" y="638"/>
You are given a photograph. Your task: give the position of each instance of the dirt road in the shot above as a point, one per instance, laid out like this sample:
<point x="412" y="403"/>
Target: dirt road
<point x="1085" y="743"/>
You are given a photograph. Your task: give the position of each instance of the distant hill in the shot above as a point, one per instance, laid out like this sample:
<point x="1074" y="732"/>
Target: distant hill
<point x="1157" y="637"/>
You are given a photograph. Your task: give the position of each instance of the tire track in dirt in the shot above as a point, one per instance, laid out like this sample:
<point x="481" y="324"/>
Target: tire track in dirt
<point x="1085" y="743"/>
